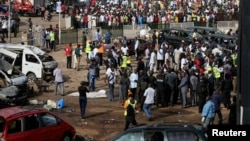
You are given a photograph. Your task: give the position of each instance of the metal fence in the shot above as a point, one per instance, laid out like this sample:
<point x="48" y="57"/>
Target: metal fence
<point x="69" y="36"/>
<point x="75" y="35"/>
<point x="226" y="25"/>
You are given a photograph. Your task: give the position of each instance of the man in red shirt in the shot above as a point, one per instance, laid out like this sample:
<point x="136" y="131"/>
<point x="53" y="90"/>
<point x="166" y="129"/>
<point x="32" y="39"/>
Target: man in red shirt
<point x="63" y="8"/>
<point x="68" y="53"/>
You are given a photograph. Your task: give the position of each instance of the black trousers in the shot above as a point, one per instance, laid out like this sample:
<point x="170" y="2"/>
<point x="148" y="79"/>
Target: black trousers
<point x="159" y="64"/>
<point x="69" y="61"/>
<point x="201" y="101"/>
<point x="133" y="90"/>
<point x="218" y="112"/>
<point x="47" y="44"/>
<point x="100" y="58"/>
<point x="129" y="119"/>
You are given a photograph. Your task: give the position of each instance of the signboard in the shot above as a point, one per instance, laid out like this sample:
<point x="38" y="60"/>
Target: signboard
<point x="59" y="6"/>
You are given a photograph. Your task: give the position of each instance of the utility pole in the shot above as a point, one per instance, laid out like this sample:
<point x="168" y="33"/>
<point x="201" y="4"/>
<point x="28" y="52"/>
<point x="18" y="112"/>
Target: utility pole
<point x="59" y="10"/>
<point x="243" y="92"/>
<point x="9" y="24"/>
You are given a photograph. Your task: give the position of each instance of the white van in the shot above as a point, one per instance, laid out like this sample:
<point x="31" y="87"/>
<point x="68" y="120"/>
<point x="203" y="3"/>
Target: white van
<point x="32" y="61"/>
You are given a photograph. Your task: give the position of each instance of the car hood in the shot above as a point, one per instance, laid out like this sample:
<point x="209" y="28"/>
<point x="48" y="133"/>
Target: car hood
<point x="10" y="91"/>
<point x="5" y="66"/>
<point x="50" y="64"/>
<point x="18" y="80"/>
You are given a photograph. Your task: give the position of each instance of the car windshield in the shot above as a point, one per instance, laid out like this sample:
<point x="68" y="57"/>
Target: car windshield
<point x="190" y="33"/>
<point x="217" y="31"/>
<point x="1" y="126"/>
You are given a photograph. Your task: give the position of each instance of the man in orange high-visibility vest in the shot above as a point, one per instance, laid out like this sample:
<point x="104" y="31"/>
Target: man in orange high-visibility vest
<point x="100" y="52"/>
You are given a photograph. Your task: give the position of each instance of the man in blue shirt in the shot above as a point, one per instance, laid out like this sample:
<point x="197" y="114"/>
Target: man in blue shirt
<point x="208" y="112"/>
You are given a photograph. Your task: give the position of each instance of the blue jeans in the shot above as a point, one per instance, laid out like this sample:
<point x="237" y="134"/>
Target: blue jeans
<point x="92" y="82"/>
<point x="111" y="92"/>
<point x="83" y="104"/>
<point x="123" y="93"/>
<point x="208" y="121"/>
<point x="61" y="85"/>
<point x="184" y="91"/>
<point x="147" y="110"/>
<point x="43" y="43"/>
<point x="121" y="96"/>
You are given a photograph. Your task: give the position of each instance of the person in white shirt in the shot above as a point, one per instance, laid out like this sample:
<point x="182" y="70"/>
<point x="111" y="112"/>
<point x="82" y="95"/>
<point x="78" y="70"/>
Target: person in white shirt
<point x="133" y="22"/>
<point x="149" y="96"/>
<point x="91" y="55"/>
<point x="137" y="42"/>
<point x="160" y="58"/>
<point x="184" y="62"/>
<point x="177" y="53"/>
<point x="147" y="57"/>
<point x="152" y="61"/>
<point x="124" y="50"/>
<point x="111" y="78"/>
<point x="133" y="78"/>
<point x="4" y="27"/>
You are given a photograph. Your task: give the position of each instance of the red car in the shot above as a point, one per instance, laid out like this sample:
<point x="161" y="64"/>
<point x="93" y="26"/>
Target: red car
<point x="21" y="124"/>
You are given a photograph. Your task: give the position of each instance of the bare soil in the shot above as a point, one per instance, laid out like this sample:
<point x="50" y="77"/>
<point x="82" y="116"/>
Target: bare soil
<point x="104" y="119"/>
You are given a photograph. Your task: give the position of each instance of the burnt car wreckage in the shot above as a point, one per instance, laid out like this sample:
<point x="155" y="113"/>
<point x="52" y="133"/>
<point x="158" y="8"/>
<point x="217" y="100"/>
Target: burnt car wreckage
<point x="14" y="89"/>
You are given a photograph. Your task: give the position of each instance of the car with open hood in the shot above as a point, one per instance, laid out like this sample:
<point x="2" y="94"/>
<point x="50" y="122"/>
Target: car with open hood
<point x="13" y="88"/>
<point x="30" y="60"/>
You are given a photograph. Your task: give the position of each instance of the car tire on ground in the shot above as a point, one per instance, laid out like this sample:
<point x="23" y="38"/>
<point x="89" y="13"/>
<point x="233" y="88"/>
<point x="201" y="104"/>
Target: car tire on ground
<point x="31" y="77"/>
<point x="66" y="137"/>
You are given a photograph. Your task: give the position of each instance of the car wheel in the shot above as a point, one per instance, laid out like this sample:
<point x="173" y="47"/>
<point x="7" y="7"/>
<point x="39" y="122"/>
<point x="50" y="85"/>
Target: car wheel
<point x="66" y="137"/>
<point x="31" y="77"/>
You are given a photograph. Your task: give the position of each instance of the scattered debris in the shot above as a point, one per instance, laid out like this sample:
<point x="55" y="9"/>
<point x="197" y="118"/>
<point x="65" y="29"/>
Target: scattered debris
<point x="97" y="94"/>
<point x="108" y="121"/>
<point x="51" y="103"/>
<point x="36" y="102"/>
<point x="67" y="110"/>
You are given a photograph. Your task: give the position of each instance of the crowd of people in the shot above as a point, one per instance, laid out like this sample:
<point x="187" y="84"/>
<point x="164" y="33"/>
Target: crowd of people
<point x="113" y="14"/>
<point x="193" y="74"/>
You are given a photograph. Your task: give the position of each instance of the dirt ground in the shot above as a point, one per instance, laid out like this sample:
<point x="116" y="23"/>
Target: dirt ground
<point x="104" y="119"/>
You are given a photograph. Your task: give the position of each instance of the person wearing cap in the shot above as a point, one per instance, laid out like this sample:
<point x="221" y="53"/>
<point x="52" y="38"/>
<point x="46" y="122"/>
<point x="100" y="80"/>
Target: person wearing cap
<point x="130" y="115"/>
<point x="83" y="90"/>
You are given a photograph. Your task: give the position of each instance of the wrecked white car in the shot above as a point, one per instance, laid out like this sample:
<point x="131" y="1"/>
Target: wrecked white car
<point x="13" y="88"/>
<point x="30" y="60"/>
